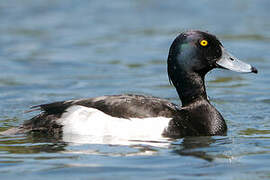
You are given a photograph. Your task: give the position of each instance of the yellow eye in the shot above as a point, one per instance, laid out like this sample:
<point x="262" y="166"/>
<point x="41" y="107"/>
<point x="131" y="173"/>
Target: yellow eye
<point x="204" y="43"/>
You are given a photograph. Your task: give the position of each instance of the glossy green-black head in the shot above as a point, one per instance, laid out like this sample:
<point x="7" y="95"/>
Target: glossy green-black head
<point x="200" y="52"/>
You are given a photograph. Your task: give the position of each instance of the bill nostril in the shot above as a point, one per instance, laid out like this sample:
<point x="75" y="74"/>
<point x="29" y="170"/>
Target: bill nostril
<point x="231" y="59"/>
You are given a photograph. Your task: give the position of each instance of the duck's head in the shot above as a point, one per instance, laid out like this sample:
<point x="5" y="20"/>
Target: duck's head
<point x="200" y="52"/>
<point x="193" y="54"/>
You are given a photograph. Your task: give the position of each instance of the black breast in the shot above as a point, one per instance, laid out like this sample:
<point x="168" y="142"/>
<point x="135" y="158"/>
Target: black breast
<point x="197" y="119"/>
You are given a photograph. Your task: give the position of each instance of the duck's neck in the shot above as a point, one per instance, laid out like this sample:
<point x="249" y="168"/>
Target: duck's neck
<point x="189" y="85"/>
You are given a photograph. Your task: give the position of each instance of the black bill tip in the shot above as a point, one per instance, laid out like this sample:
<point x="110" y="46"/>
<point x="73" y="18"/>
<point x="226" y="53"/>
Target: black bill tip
<point x="254" y="70"/>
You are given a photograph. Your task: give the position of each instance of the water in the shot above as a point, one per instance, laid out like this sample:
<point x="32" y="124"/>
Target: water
<point x="64" y="49"/>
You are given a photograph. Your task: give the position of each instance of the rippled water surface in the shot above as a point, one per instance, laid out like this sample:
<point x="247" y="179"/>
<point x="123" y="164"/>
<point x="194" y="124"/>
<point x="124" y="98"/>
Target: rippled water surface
<point x="66" y="49"/>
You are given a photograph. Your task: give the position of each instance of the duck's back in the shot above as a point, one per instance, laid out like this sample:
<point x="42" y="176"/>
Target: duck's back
<point x="116" y="106"/>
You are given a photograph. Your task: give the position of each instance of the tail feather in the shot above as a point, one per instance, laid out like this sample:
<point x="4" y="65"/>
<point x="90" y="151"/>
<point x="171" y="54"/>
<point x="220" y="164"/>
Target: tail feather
<point x="51" y="108"/>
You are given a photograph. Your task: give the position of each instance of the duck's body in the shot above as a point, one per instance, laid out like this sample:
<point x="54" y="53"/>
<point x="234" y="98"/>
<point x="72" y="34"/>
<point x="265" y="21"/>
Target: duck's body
<point x="100" y="110"/>
<point x="133" y="114"/>
<point x="191" y="56"/>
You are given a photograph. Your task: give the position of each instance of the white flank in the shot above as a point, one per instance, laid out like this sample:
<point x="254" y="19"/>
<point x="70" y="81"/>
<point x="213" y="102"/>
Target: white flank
<point x="89" y="125"/>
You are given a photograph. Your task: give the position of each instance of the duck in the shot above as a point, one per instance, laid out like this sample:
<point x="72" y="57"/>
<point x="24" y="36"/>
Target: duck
<point x="192" y="55"/>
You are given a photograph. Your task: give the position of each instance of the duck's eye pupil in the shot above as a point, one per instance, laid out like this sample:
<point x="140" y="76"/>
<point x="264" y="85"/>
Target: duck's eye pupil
<point x="204" y="43"/>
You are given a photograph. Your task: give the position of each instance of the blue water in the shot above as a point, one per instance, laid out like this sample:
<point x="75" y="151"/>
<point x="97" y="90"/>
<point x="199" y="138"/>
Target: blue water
<point x="67" y="49"/>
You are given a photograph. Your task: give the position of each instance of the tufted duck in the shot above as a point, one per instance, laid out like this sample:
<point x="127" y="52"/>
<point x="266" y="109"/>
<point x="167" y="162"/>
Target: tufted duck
<point x="191" y="55"/>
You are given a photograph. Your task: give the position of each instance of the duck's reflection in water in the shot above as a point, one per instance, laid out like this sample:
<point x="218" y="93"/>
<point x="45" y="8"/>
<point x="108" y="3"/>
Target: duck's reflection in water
<point x="205" y="147"/>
